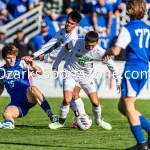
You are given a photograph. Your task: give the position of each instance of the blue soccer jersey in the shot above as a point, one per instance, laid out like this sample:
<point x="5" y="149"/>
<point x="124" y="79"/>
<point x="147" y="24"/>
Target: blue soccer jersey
<point x="15" y="78"/>
<point x="135" y="39"/>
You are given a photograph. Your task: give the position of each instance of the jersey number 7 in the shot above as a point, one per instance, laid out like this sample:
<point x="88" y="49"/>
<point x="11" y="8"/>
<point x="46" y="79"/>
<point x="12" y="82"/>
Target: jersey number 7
<point x="143" y="34"/>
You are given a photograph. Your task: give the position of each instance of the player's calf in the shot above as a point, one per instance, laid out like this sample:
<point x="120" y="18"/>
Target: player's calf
<point x="33" y="92"/>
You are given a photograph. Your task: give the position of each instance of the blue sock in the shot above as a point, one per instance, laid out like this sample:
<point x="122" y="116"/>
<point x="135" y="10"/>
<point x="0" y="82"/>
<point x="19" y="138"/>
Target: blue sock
<point x="145" y="123"/>
<point x="138" y="134"/>
<point x="46" y="107"/>
<point x="8" y="120"/>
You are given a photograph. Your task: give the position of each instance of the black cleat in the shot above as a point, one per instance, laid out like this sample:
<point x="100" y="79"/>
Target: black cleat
<point x="148" y="140"/>
<point x="54" y="118"/>
<point x="143" y="146"/>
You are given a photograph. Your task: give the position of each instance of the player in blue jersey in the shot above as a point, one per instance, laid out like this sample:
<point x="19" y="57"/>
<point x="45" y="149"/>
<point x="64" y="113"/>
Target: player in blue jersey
<point x="14" y="76"/>
<point x="135" y="39"/>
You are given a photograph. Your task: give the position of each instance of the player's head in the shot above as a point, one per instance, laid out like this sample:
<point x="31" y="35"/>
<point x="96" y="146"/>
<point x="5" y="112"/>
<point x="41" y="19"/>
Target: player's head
<point x="9" y="53"/>
<point x="136" y="8"/>
<point x="73" y="19"/>
<point x="91" y="39"/>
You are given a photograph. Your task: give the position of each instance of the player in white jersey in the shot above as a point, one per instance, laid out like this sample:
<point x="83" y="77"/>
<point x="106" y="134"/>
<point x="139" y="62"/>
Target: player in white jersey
<point x="64" y="36"/>
<point x="78" y="68"/>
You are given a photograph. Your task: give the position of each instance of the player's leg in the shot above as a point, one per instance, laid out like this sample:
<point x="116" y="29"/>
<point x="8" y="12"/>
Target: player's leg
<point x="9" y="114"/>
<point x="68" y="86"/>
<point x="77" y="104"/>
<point x="90" y="89"/>
<point x="34" y="95"/>
<point x="131" y="89"/>
<point x="78" y="101"/>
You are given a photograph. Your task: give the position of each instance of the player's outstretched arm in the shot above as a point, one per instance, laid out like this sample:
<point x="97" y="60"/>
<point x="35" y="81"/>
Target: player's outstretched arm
<point x="59" y="57"/>
<point x="45" y="48"/>
<point x="1" y="88"/>
<point x="63" y="52"/>
<point x="114" y="70"/>
<point x="114" y="51"/>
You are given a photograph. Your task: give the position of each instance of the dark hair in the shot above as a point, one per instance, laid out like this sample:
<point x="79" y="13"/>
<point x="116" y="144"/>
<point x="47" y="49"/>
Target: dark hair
<point x="75" y="16"/>
<point x="9" y="49"/>
<point x="91" y="36"/>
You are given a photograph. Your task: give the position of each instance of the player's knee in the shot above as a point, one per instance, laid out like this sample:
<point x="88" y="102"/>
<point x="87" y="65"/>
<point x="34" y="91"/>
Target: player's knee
<point x="33" y="89"/>
<point x="75" y="95"/>
<point x="129" y="111"/>
<point x="96" y="104"/>
<point x="66" y="102"/>
<point x="7" y="115"/>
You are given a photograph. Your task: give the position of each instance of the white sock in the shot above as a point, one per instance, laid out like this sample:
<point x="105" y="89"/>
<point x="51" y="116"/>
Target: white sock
<point x="73" y="106"/>
<point x="64" y="110"/>
<point x="97" y="113"/>
<point x="80" y="106"/>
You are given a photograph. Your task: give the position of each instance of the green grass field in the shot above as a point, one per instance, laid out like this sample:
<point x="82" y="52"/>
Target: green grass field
<point x="32" y="132"/>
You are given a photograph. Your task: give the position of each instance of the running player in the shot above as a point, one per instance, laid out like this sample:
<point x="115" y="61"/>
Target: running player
<point x="135" y="38"/>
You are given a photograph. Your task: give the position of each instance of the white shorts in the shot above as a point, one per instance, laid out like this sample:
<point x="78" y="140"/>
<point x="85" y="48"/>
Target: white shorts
<point x="88" y="86"/>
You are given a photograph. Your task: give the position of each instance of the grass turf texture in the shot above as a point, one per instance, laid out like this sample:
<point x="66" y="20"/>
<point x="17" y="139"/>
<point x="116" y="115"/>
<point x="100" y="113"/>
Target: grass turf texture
<point x="32" y="131"/>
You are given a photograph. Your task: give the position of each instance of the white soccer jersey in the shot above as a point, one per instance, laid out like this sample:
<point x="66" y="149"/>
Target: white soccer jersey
<point x="80" y="60"/>
<point x="62" y="37"/>
<point x="80" y="63"/>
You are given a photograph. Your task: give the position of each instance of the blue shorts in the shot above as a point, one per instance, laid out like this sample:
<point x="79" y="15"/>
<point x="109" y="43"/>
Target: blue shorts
<point x="23" y="107"/>
<point x="20" y="100"/>
<point x="132" y="84"/>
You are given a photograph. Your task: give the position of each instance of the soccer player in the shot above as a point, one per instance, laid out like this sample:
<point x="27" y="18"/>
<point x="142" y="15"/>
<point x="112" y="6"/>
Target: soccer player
<point x="14" y="76"/>
<point x="64" y="36"/>
<point x="135" y="38"/>
<point x="78" y="68"/>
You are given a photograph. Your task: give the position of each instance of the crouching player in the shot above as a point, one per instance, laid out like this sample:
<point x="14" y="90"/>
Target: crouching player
<point x="14" y="76"/>
<point x="78" y="68"/>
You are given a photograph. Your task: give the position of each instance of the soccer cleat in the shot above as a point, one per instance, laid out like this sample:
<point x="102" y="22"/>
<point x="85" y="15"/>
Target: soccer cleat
<point x="55" y="125"/>
<point x="1" y="125"/>
<point x="104" y="125"/>
<point x="74" y="126"/>
<point x="8" y="125"/>
<point x="142" y="146"/>
<point x="148" y="140"/>
<point x="54" y="118"/>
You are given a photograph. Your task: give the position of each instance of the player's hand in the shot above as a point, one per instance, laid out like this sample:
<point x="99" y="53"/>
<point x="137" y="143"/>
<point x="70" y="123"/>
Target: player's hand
<point x="105" y="59"/>
<point x="41" y="57"/>
<point x="96" y="29"/>
<point x="107" y="31"/>
<point x="118" y="88"/>
<point x="54" y="69"/>
<point x="28" y="60"/>
<point x="25" y="58"/>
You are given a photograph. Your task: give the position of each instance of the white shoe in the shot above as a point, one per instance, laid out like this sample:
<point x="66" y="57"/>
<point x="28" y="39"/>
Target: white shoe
<point x="8" y="125"/>
<point x="55" y="125"/>
<point x="1" y="125"/>
<point x="104" y="125"/>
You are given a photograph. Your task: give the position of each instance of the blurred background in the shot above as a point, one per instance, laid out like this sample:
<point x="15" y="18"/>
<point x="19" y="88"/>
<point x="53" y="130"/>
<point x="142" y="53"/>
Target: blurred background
<point x="29" y="24"/>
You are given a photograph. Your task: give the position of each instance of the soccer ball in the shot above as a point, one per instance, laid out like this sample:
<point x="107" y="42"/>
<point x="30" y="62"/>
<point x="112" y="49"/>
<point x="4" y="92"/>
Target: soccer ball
<point x="83" y="122"/>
